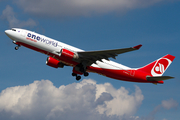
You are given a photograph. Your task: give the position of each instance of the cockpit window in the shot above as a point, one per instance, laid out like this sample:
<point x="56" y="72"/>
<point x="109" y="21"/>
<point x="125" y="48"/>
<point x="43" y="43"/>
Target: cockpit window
<point x="13" y="29"/>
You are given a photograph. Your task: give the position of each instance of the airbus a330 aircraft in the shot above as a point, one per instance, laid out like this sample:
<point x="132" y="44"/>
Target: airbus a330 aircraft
<point x="83" y="62"/>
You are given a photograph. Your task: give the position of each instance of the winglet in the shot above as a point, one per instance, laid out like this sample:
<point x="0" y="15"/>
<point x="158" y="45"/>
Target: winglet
<point x="137" y="47"/>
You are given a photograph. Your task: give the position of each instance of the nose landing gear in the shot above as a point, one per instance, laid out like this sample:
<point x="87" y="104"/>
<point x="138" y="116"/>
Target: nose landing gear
<point x="17" y="47"/>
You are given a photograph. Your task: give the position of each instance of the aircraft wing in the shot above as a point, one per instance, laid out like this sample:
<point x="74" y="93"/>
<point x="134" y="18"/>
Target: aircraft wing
<point x="92" y="56"/>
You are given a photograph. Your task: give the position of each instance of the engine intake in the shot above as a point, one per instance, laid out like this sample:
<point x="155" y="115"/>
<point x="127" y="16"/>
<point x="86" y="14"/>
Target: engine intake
<point x="54" y="63"/>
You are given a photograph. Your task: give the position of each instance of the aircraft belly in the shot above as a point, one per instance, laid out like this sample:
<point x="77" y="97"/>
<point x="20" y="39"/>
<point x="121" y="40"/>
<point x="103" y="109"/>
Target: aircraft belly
<point x="125" y="75"/>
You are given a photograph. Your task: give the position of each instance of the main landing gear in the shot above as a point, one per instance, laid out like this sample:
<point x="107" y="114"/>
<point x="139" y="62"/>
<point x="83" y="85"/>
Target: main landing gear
<point x="78" y="77"/>
<point x="80" y="69"/>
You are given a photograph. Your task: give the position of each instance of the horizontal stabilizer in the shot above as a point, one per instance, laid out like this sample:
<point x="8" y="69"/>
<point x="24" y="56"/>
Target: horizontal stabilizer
<point x="159" y="78"/>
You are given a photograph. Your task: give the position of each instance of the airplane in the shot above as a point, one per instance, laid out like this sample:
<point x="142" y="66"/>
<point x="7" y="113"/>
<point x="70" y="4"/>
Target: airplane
<point x="84" y="62"/>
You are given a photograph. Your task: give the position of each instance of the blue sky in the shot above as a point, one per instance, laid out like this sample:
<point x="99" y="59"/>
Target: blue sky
<point x="90" y="25"/>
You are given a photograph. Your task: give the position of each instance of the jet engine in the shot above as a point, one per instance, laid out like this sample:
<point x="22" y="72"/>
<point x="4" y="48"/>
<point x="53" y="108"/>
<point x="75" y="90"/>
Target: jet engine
<point x="67" y="54"/>
<point x="54" y="63"/>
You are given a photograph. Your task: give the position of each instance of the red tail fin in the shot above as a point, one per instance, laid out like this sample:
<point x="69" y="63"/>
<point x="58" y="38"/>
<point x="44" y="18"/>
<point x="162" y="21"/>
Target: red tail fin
<point x="158" y="67"/>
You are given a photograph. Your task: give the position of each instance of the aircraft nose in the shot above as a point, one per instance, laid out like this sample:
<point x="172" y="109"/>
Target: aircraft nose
<point x="7" y="32"/>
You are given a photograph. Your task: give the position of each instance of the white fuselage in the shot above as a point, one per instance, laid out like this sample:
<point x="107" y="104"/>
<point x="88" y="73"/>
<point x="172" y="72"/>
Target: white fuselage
<point x="53" y="46"/>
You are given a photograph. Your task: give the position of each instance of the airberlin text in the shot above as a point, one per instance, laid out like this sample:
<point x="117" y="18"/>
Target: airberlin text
<point x="36" y="38"/>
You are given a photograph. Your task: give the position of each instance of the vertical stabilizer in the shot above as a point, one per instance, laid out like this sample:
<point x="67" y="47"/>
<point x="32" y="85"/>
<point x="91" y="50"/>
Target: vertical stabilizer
<point x="158" y="67"/>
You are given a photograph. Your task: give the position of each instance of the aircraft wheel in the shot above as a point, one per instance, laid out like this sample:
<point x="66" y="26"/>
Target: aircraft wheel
<point x="74" y="74"/>
<point x="17" y="47"/>
<point x="86" y="74"/>
<point x="78" y="78"/>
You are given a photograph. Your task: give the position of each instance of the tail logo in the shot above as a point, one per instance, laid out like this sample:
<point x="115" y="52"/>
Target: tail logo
<point x="160" y="66"/>
<point x="159" y="69"/>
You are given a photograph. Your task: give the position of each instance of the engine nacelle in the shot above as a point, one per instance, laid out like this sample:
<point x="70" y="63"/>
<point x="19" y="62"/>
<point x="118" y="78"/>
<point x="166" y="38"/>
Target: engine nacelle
<point x="54" y="63"/>
<point x="67" y="54"/>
